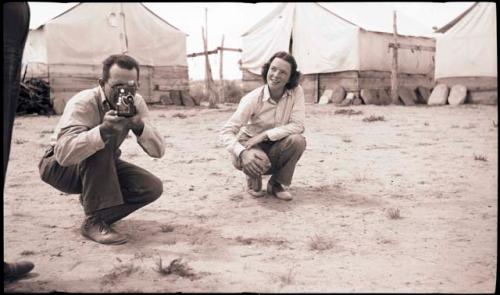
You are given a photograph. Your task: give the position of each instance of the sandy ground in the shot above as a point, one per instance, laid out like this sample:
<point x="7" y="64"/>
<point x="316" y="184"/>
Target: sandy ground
<point x="436" y="165"/>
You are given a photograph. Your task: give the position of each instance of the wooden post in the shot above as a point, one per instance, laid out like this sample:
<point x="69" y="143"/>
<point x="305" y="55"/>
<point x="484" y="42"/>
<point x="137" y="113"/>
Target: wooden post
<point x="222" y="97"/>
<point x="205" y="47"/>
<point x="211" y="92"/>
<point x="394" y="67"/>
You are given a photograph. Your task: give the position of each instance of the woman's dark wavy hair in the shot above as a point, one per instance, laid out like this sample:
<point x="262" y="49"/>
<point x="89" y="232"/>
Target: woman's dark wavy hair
<point x="294" y="75"/>
<point x="122" y="60"/>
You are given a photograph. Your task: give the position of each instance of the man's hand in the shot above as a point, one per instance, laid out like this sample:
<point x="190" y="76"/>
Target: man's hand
<point x="252" y="164"/>
<point x="136" y="124"/>
<point x="256" y="140"/>
<point x="112" y="125"/>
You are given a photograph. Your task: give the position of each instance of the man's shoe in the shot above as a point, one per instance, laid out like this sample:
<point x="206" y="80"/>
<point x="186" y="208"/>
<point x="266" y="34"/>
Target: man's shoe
<point x="277" y="190"/>
<point x="16" y="270"/>
<point x="254" y="186"/>
<point x="98" y="231"/>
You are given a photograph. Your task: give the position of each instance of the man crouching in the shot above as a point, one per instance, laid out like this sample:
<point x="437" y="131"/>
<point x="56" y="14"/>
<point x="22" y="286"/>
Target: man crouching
<point x="85" y="157"/>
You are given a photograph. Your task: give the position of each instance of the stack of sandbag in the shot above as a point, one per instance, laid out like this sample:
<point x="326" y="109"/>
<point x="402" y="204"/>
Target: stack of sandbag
<point x="375" y="96"/>
<point x="442" y="95"/>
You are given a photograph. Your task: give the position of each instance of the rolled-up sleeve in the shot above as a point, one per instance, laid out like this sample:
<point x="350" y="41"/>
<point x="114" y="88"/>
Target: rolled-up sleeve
<point x="78" y="137"/>
<point x="77" y="143"/>
<point x="297" y="118"/>
<point x="229" y="132"/>
<point x="150" y="140"/>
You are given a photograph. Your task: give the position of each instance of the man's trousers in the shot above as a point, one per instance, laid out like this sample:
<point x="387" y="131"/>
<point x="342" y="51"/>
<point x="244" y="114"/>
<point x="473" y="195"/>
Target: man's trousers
<point x="109" y="188"/>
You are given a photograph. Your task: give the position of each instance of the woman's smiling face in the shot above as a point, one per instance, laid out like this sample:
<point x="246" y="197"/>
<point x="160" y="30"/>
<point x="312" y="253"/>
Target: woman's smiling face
<point x="278" y="74"/>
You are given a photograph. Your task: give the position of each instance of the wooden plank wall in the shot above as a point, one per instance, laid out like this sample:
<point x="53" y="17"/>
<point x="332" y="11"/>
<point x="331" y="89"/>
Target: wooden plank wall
<point x="382" y="79"/>
<point x="67" y="80"/>
<point x="167" y="79"/>
<point x="250" y="81"/>
<point x="351" y="81"/>
<point x="309" y="84"/>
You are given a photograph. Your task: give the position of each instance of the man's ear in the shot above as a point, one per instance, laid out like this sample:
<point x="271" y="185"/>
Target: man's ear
<point x="101" y="82"/>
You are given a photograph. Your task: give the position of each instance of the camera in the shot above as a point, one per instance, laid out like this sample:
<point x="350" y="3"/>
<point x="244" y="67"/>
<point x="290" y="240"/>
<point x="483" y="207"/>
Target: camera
<point x="125" y="104"/>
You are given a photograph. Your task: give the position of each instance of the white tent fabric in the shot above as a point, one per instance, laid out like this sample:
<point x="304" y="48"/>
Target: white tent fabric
<point x="326" y="44"/>
<point x="89" y="32"/>
<point x="323" y="42"/>
<point x="35" y="49"/>
<point x="469" y="47"/>
<point x="270" y="35"/>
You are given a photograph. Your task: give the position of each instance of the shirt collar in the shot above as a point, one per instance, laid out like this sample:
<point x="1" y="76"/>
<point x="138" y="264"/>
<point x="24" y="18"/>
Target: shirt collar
<point x="104" y="102"/>
<point x="267" y="95"/>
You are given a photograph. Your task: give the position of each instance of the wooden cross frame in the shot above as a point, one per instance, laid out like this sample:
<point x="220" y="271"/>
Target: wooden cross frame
<point x="394" y="68"/>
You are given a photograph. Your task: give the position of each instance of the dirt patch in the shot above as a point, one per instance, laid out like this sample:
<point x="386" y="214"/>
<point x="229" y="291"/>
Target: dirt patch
<point x="407" y="204"/>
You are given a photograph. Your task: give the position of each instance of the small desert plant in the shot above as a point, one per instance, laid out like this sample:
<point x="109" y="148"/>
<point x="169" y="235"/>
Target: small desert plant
<point x="346" y="140"/>
<point x="20" y="141"/>
<point x="480" y="158"/>
<point x="426" y="123"/>
<point x="470" y="126"/>
<point x="288" y="278"/>
<point x="373" y="118"/>
<point x="393" y="213"/>
<point x="245" y="241"/>
<point x="177" y="267"/>
<point x="320" y="243"/>
<point x="232" y="91"/>
<point x="359" y="178"/>
<point x="179" y="115"/>
<point x="167" y="228"/>
<point x="348" y="112"/>
<point x="27" y="252"/>
<point x="117" y="272"/>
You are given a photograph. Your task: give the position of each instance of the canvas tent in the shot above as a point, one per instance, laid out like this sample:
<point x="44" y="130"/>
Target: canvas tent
<point x="69" y="49"/>
<point x="331" y="50"/>
<point x="466" y="52"/>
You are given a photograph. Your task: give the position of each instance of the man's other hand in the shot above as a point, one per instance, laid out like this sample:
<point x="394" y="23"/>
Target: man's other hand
<point x="136" y="124"/>
<point x="112" y="125"/>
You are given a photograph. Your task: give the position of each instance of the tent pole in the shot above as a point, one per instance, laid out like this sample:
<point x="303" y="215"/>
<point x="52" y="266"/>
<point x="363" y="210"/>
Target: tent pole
<point x="394" y="67"/>
<point x="223" y="99"/>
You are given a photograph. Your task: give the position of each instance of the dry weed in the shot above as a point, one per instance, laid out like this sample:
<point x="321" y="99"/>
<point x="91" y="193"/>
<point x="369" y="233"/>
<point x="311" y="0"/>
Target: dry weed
<point x="348" y="112"/>
<point x="176" y="267"/>
<point x="20" y="141"/>
<point x="393" y="213"/>
<point x="167" y="228"/>
<point x="118" y="272"/>
<point x="27" y="252"/>
<point x="288" y="278"/>
<point x="360" y="178"/>
<point x="373" y="118"/>
<point x="480" y="158"/>
<point x="320" y="243"/>
<point x="179" y="115"/>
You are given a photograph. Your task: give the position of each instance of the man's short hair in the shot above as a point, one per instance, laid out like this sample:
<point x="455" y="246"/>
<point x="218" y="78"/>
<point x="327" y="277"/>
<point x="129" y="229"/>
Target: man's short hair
<point x="122" y="60"/>
<point x="294" y="75"/>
